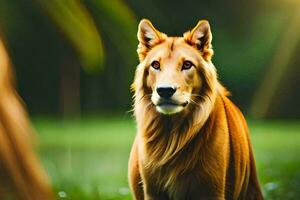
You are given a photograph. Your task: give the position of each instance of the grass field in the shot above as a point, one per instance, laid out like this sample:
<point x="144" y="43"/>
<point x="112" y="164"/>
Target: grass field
<point x="87" y="159"/>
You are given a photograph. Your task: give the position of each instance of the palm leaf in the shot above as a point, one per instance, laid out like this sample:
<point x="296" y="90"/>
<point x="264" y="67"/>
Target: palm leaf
<point x="78" y="26"/>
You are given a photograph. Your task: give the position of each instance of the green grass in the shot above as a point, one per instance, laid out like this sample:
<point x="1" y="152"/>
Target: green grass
<point x="87" y="159"/>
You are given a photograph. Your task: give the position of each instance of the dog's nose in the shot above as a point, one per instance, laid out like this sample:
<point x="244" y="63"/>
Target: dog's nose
<point x="166" y="91"/>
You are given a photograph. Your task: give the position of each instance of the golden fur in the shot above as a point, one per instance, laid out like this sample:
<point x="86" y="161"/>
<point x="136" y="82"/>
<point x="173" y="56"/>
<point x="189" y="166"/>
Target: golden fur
<point x="198" y="151"/>
<point x="22" y="176"/>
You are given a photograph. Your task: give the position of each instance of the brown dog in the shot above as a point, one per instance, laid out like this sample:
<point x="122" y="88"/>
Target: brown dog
<point x="192" y="141"/>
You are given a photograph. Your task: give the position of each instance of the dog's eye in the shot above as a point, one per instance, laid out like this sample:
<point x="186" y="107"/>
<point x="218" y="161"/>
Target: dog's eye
<point x="187" y="65"/>
<point x="156" y="65"/>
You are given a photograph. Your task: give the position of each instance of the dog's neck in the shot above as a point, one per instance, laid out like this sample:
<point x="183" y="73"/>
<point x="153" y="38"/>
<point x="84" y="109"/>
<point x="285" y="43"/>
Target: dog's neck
<point x="165" y="136"/>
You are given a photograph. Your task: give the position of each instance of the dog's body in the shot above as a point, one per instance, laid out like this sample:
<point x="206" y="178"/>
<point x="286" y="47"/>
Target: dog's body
<point x="192" y="141"/>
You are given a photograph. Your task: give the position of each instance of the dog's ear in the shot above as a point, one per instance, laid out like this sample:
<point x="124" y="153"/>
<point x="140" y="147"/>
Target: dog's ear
<point x="148" y="37"/>
<point x="200" y="38"/>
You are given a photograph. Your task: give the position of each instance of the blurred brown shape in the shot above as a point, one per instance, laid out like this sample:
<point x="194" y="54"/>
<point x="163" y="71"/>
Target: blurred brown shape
<point x="22" y="176"/>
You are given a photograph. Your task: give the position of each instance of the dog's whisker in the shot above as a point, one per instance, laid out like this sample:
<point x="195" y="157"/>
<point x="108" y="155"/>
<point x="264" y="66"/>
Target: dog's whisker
<point x="149" y="104"/>
<point x="194" y="103"/>
<point x="198" y="95"/>
<point x="130" y="111"/>
<point x="144" y="96"/>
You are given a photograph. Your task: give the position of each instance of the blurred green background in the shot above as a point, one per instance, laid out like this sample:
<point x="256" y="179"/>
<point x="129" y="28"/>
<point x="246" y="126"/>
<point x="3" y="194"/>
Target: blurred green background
<point x="74" y="62"/>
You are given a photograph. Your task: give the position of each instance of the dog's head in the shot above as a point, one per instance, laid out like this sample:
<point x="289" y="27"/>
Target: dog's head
<point x="174" y="72"/>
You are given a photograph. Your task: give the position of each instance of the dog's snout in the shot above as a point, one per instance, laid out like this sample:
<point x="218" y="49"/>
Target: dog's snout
<point x="165" y="91"/>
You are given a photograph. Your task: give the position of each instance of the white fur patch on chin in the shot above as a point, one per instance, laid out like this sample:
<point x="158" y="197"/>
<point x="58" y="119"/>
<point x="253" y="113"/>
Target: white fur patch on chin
<point x="169" y="109"/>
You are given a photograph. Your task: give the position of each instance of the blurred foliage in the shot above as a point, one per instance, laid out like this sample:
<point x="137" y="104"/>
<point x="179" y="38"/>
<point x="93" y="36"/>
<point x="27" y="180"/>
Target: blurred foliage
<point x="120" y="24"/>
<point x="78" y="26"/>
<point x="279" y="66"/>
<point x="44" y="36"/>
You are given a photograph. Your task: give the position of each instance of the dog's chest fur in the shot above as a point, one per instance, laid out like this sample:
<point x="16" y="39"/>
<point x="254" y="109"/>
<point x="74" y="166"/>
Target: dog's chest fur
<point x="158" y="183"/>
<point x="177" y="179"/>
